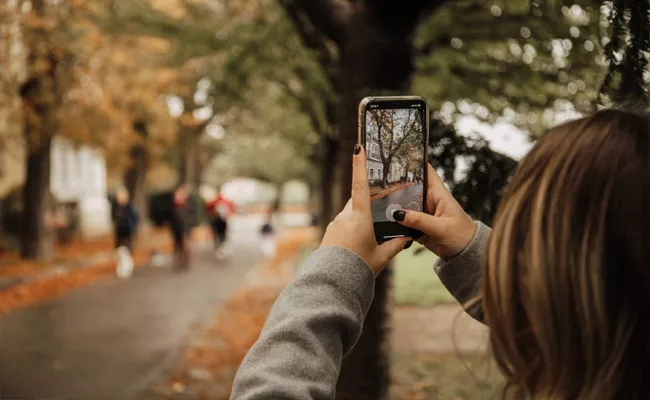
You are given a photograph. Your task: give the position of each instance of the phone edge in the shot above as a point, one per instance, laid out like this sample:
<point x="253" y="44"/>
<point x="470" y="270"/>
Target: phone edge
<point x="361" y="121"/>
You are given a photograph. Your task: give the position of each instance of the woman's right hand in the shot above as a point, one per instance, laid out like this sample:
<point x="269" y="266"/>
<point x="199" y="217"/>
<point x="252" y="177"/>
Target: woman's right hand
<point x="446" y="227"/>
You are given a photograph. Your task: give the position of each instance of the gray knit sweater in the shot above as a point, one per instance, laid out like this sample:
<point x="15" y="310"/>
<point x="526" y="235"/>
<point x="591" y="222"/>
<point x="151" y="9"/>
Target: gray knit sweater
<point x="318" y="318"/>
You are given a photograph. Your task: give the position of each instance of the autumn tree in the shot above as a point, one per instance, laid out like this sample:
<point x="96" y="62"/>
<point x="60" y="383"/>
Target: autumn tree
<point x="12" y="74"/>
<point x="395" y="133"/>
<point x="199" y="91"/>
<point x="61" y="95"/>
<point x="133" y="83"/>
<point x="51" y="70"/>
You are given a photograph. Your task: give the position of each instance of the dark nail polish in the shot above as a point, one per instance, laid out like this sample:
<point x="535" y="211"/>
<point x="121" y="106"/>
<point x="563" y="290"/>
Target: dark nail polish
<point x="408" y="244"/>
<point x="399" y="215"/>
<point x="357" y="149"/>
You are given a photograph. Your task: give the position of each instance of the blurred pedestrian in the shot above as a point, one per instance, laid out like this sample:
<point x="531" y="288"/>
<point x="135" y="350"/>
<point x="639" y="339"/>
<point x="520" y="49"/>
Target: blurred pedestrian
<point x="268" y="236"/>
<point x="220" y="209"/>
<point x="125" y="222"/>
<point x="179" y="223"/>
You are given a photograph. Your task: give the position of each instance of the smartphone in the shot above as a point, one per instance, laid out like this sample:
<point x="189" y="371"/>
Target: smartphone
<point x="395" y="133"/>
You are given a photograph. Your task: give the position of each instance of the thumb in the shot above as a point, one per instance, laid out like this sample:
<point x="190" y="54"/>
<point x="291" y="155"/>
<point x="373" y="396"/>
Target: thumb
<point x="389" y="249"/>
<point x="425" y="223"/>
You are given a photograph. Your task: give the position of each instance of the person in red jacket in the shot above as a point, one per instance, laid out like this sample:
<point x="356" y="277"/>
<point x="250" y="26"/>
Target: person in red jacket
<point x="219" y="210"/>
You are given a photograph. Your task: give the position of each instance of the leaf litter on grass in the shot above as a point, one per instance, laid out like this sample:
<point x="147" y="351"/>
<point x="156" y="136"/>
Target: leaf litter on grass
<point x="441" y="353"/>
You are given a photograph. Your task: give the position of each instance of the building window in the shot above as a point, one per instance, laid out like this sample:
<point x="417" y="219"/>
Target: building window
<point x="372" y="173"/>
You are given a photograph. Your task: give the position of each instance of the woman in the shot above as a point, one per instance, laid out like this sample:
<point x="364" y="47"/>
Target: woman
<point x="563" y="282"/>
<point x="220" y="209"/>
<point x="267" y="233"/>
<point x="125" y="221"/>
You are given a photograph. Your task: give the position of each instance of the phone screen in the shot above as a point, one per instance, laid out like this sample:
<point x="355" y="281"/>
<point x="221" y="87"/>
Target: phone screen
<point x="396" y="144"/>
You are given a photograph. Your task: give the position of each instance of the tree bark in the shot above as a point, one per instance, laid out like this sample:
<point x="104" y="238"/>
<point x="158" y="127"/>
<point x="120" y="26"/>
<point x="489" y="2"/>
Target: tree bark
<point x="327" y="182"/>
<point x="376" y="55"/>
<point x="135" y="177"/>
<point x="277" y="202"/>
<point x="366" y="370"/>
<point x="374" y="60"/>
<point x="40" y="96"/>
<point x="36" y="233"/>
<point x="386" y="172"/>
<point x="189" y="173"/>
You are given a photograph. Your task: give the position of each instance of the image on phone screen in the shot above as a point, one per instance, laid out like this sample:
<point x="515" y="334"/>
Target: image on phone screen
<point x="395" y="143"/>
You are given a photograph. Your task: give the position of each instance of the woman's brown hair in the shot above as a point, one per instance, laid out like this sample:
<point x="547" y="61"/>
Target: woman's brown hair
<point x="566" y="288"/>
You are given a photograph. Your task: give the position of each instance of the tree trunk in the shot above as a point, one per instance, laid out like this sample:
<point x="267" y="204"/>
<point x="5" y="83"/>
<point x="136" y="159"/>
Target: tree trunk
<point x="36" y="234"/>
<point x="328" y="182"/>
<point x="188" y="165"/>
<point x="277" y="202"/>
<point x="135" y="177"/>
<point x="315" y="198"/>
<point x="40" y="96"/>
<point x="375" y="60"/>
<point x="386" y="172"/>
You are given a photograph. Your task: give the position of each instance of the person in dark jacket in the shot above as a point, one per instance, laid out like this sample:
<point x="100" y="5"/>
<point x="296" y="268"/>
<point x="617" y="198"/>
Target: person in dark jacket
<point x="180" y="221"/>
<point x="267" y="232"/>
<point x="125" y="220"/>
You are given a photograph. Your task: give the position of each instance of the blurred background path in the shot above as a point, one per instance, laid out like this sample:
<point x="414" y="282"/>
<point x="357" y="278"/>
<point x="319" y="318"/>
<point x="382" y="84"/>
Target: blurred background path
<point x="107" y="340"/>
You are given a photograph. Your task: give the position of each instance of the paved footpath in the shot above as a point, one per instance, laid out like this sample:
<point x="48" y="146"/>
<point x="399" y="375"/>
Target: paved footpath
<point x="110" y="339"/>
<point x="402" y="197"/>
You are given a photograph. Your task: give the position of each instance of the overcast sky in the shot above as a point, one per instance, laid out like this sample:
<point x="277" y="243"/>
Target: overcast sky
<point x="504" y="138"/>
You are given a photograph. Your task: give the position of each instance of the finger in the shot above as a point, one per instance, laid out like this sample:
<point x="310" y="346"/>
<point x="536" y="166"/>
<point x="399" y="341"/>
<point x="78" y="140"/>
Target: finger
<point x="431" y="226"/>
<point x="390" y="249"/>
<point x="346" y="210"/>
<point x="435" y="184"/>
<point x="348" y="206"/>
<point x="360" y="188"/>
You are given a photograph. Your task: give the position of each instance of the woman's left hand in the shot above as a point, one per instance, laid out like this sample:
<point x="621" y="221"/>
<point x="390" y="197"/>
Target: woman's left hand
<point x="353" y="227"/>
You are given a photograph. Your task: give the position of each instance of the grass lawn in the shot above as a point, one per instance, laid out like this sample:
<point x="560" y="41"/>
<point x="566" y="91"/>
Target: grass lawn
<point x="415" y="282"/>
<point x="445" y="377"/>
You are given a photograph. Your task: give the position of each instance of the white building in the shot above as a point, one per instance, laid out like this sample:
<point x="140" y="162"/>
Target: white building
<point x="78" y="175"/>
<point x="397" y="171"/>
<point x="375" y="166"/>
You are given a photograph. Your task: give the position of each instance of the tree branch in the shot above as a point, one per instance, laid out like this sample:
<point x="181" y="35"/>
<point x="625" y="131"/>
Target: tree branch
<point x="304" y="106"/>
<point x="311" y="37"/>
<point x="331" y="17"/>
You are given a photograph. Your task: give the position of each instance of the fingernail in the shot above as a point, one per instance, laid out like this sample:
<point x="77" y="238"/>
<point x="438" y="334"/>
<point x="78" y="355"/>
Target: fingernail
<point x="357" y="149"/>
<point x="399" y="215"/>
<point x="408" y="244"/>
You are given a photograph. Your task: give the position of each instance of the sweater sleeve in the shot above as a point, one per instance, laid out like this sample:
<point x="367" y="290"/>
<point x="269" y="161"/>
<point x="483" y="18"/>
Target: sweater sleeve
<point x="313" y="324"/>
<point x="462" y="274"/>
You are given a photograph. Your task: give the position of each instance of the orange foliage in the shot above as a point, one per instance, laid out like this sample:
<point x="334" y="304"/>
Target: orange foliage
<point x="173" y="8"/>
<point x="34" y="292"/>
<point x="11" y="264"/>
<point x="377" y="192"/>
<point x="38" y="290"/>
